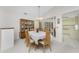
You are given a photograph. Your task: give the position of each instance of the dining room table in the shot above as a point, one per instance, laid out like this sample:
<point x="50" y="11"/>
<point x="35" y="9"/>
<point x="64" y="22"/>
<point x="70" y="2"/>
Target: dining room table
<point x="37" y="36"/>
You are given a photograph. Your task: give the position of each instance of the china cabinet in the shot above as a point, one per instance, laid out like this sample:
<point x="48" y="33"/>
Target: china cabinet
<point x="25" y="25"/>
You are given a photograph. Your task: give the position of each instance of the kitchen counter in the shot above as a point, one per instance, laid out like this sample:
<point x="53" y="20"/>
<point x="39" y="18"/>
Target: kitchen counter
<point x="6" y="38"/>
<point x="7" y="28"/>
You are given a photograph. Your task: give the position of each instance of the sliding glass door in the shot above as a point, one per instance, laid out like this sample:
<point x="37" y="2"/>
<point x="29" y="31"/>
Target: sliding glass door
<point x="71" y="30"/>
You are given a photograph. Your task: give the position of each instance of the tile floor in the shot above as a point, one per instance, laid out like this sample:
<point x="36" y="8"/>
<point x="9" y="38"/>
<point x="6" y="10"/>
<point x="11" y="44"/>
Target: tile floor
<point x="57" y="47"/>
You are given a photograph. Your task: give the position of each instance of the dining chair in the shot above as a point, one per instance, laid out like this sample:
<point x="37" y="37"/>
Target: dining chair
<point x="29" y="41"/>
<point x="46" y="42"/>
<point x="27" y="38"/>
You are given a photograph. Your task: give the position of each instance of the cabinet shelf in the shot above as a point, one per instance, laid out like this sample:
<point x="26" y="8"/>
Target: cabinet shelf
<point x="25" y="25"/>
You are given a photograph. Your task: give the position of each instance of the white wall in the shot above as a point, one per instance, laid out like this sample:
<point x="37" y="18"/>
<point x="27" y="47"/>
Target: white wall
<point x="2" y="19"/>
<point x="58" y="11"/>
<point x="6" y="20"/>
<point x="10" y="16"/>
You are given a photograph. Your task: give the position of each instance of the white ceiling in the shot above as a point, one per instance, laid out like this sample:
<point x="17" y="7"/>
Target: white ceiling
<point x="32" y="11"/>
<point x="71" y="14"/>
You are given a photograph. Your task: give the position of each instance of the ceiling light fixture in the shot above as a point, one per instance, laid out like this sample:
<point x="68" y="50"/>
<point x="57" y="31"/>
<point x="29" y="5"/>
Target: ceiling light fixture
<point x="39" y="17"/>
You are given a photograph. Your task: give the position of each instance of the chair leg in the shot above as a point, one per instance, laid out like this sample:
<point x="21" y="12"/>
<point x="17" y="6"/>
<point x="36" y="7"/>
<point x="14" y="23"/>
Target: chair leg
<point x="29" y="49"/>
<point x="35" y="47"/>
<point x="44" y="47"/>
<point x="32" y="47"/>
<point x="50" y="49"/>
<point x="49" y="46"/>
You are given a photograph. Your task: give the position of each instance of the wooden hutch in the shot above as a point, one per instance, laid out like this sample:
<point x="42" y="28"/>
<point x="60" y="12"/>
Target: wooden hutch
<point x="25" y="25"/>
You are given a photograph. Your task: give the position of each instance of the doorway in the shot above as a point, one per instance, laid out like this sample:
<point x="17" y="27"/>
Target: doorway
<point x="71" y="28"/>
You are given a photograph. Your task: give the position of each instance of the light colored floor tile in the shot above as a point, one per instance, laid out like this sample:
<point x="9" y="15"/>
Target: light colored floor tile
<point x="57" y="47"/>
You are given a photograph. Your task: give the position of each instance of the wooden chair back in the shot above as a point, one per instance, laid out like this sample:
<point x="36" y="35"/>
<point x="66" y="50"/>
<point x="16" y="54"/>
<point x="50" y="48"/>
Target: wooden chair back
<point x="47" y="40"/>
<point x="27" y="39"/>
